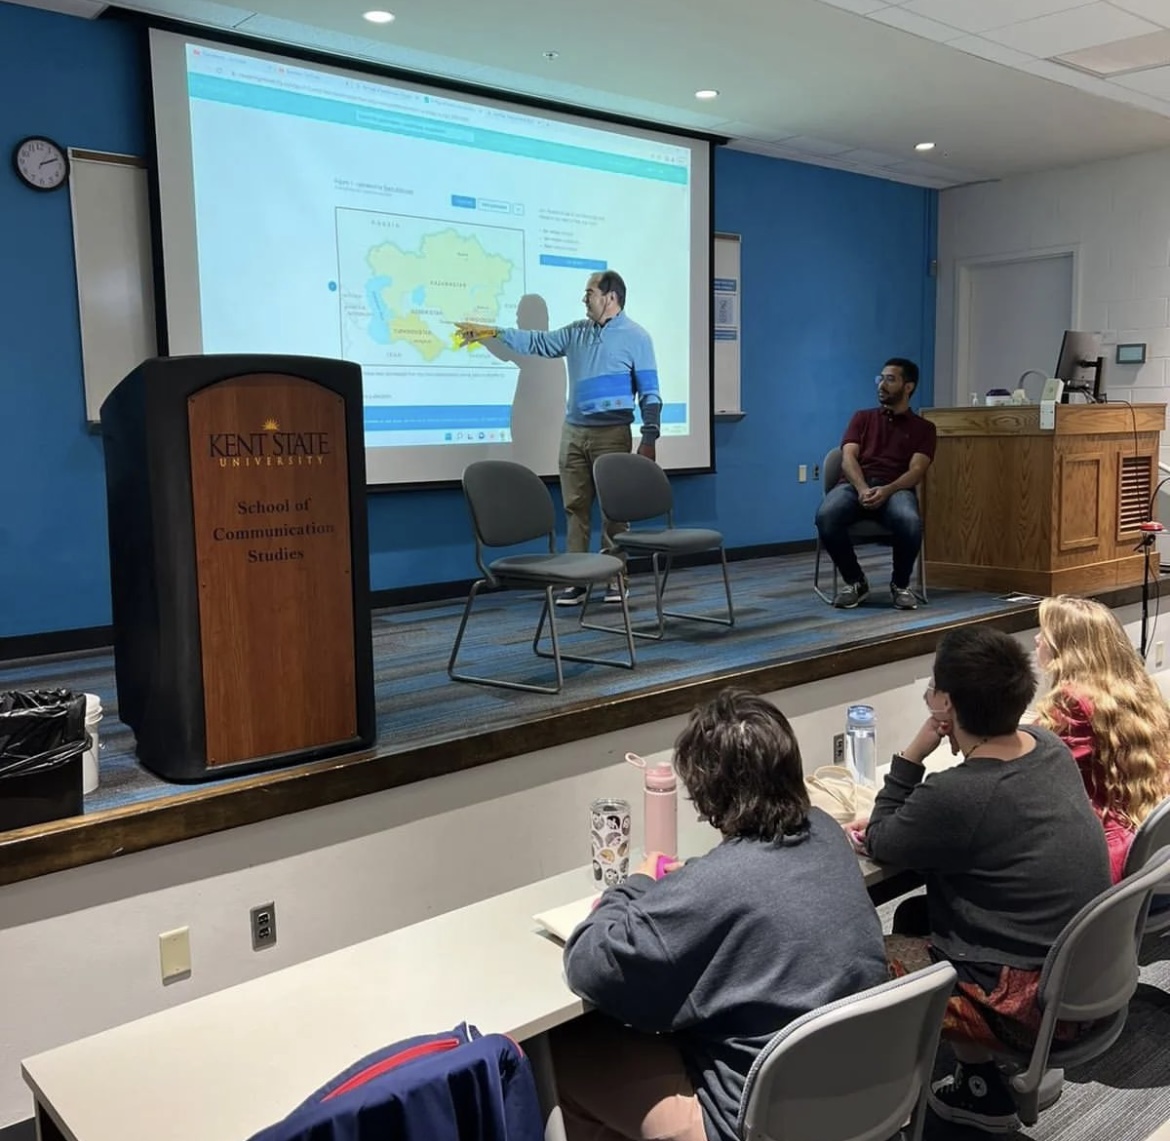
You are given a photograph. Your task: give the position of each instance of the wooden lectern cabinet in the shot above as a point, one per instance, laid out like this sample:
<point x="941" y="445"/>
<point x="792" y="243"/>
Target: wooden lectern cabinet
<point x="1009" y="506"/>
<point x="239" y="561"/>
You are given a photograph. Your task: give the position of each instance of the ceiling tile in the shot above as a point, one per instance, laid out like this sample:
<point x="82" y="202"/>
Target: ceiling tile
<point x="206" y="12"/>
<point x="985" y="49"/>
<point x="86" y="9"/>
<point x="864" y="157"/>
<point x="979" y="15"/>
<point x="1156" y="10"/>
<point x="1154" y="82"/>
<point x="918" y="25"/>
<point x="1097" y="23"/>
<point x="862" y="6"/>
<point x="809" y="146"/>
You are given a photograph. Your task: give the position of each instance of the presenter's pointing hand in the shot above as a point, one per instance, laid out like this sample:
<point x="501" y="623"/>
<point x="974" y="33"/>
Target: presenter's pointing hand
<point x="469" y="332"/>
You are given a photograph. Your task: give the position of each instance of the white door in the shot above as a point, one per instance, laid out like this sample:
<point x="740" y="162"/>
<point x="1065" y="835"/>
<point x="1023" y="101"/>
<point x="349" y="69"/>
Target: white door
<point x="1012" y="316"/>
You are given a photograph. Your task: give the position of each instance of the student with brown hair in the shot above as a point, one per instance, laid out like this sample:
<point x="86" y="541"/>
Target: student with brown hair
<point x="693" y="974"/>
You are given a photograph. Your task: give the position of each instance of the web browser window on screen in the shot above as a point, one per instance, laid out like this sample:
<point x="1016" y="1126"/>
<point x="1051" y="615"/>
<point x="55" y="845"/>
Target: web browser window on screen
<point x="313" y="211"/>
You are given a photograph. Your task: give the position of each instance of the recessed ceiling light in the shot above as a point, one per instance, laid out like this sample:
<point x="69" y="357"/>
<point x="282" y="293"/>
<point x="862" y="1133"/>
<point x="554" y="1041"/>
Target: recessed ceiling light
<point x="551" y="54"/>
<point x="706" y="93"/>
<point x="924" y="146"/>
<point x="378" y="17"/>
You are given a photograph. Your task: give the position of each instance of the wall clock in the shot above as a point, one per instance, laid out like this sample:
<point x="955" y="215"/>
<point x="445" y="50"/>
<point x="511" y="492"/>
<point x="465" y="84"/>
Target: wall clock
<point x="40" y="163"/>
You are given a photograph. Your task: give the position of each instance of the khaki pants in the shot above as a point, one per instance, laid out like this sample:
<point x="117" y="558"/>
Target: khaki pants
<point x="579" y="448"/>
<point x="614" y="1084"/>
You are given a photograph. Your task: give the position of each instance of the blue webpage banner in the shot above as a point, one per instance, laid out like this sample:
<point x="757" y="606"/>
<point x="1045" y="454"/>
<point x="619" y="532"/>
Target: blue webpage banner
<point x="239" y="94"/>
<point x="445" y="417"/>
<point x="415" y="418"/>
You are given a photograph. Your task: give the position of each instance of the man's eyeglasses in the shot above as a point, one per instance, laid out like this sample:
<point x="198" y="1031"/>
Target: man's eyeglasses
<point x="886" y="376"/>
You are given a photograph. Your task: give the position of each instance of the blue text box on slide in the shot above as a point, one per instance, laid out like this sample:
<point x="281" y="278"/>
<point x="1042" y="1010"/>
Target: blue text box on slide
<point x="463" y="201"/>
<point x="563" y="262"/>
<point x="232" y="91"/>
<point x="382" y="418"/>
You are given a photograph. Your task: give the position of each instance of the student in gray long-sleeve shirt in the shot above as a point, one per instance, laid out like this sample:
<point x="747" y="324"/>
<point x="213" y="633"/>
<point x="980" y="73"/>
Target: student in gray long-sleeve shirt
<point x="1011" y="851"/>
<point x="706" y="964"/>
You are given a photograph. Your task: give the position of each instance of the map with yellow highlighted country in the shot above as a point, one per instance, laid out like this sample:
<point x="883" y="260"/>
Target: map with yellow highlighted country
<point x="405" y="281"/>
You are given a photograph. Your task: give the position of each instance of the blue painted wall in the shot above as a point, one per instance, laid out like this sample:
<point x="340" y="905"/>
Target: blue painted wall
<point x="834" y="281"/>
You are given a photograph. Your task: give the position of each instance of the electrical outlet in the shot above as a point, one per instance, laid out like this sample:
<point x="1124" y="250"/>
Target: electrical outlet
<point x="1159" y="654"/>
<point x="263" y="926"/>
<point x="174" y="954"/>
<point x="802" y="473"/>
<point x="838" y="748"/>
<point x="816" y="471"/>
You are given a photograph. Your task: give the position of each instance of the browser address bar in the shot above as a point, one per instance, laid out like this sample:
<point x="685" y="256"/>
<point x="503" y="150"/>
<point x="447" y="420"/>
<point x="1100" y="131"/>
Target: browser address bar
<point x="425" y="126"/>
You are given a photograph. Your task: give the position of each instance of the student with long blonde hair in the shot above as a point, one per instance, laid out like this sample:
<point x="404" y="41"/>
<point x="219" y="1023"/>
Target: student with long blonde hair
<point x="1110" y="714"/>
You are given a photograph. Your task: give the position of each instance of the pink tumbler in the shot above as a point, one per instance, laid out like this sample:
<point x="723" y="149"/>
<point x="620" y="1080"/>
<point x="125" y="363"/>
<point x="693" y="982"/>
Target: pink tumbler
<point x="660" y="791"/>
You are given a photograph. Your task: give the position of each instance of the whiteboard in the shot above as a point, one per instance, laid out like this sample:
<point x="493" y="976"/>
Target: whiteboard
<point x="725" y="322"/>
<point x="109" y="203"/>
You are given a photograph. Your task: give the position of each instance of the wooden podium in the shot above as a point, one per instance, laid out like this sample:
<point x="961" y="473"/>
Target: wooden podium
<point x="239" y="561"/>
<point x="1011" y="507"/>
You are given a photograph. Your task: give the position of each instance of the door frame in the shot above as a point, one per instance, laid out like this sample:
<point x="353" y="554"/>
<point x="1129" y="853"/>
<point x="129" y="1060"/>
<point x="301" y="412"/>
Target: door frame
<point x="964" y="268"/>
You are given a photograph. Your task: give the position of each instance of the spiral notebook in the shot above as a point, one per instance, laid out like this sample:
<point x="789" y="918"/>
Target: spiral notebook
<point x="560" y="922"/>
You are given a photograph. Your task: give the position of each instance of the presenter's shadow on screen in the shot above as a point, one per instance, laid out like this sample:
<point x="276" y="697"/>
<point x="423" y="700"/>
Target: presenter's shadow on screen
<point x="538" y="407"/>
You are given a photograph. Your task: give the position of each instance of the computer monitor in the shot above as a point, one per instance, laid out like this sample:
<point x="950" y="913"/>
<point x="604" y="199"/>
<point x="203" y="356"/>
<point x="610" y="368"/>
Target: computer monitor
<point x="1080" y="364"/>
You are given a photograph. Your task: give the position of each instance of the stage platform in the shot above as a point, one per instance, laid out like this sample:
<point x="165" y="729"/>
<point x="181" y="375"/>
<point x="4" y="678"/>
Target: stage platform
<point x="428" y="725"/>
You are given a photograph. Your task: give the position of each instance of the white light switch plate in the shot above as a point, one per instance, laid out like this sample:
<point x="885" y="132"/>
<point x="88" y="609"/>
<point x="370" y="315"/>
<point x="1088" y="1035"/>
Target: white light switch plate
<point x="174" y="953"/>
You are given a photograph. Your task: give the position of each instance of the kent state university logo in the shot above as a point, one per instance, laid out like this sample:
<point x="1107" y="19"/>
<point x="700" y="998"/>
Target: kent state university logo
<point x="270" y="447"/>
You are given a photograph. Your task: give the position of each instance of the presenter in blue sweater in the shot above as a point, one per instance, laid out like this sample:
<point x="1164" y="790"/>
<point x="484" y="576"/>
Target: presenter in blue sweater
<point x="611" y="366"/>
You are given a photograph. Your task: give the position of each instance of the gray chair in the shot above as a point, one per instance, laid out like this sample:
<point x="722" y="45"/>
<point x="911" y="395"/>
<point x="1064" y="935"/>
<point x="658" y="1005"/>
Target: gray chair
<point x="864" y="530"/>
<point x="854" y="1070"/>
<point x="1152" y="837"/>
<point x="633" y="489"/>
<point x="509" y="505"/>
<point x="1089" y="975"/>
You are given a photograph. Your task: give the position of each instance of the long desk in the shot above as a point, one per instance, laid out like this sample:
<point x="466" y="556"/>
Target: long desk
<point x="222" y="1067"/>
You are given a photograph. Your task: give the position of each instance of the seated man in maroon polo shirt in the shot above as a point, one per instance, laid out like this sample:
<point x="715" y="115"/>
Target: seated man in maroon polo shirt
<point x="884" y="454"/>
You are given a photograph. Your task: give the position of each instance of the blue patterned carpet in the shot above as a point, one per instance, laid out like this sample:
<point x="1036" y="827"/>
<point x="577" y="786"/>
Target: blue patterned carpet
<point x="778" y="619"/>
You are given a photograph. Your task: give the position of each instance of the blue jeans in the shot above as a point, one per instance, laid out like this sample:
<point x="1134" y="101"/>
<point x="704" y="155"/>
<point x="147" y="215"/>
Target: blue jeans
<point x="841" y="508"/>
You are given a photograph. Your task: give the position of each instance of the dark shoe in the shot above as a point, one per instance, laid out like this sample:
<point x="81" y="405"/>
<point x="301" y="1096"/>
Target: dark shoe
<point x="571" y="596"/>
<point x="903" y="598"/>
<point x="976" y="1095"/>
<point x="616" y="589"/>
<point x="851" y="594"/>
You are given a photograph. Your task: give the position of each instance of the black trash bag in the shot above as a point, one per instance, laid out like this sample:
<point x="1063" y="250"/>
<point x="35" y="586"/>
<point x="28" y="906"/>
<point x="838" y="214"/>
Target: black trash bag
<point x="42" y="739"/>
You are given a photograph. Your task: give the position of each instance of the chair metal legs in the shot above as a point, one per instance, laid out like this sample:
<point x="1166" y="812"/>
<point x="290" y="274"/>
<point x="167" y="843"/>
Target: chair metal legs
<point x="661" y="563"/>
<point x="919" y="566"/>
<point x="547" y="613"/>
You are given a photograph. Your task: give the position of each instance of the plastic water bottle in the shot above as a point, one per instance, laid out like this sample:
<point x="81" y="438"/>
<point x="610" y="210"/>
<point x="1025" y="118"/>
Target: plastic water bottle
<point x="861" y="744"/>
<point x="660" y="792"/>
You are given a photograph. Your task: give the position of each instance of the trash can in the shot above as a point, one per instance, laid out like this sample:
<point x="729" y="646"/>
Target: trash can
<point x="42" y="739"/>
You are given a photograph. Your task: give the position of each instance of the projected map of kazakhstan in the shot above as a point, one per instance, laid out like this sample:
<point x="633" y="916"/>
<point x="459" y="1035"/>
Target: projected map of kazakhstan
<point x="404" y="281"/>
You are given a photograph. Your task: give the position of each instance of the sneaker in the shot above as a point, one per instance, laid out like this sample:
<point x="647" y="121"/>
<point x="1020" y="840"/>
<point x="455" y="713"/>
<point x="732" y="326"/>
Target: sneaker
<point x="975" y="1095"/>
<point x="616" y="589"/>
<point x="903" y="598"/>
<point x="571" y="596"/>
<point x="851" y="594"/>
